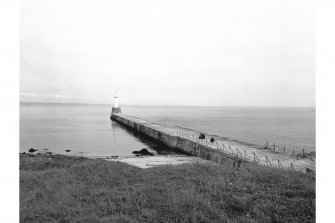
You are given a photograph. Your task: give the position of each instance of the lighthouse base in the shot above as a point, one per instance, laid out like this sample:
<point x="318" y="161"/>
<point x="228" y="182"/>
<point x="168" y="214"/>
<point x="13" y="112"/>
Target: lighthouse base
<point x="116" y="110"/>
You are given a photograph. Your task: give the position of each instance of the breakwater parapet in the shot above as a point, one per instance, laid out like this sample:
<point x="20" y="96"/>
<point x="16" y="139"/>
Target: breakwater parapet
<point x="211" y="147"/>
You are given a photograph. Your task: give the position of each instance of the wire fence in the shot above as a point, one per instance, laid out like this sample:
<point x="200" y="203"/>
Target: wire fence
<point x="238" y="152"/>
<point x="282" y="149"/>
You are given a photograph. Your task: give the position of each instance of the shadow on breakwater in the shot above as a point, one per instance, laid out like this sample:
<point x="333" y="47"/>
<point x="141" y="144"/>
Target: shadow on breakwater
<point x="157" y="147"/>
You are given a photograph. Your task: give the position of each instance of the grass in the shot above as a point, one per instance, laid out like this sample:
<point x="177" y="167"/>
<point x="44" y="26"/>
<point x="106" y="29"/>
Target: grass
<point x="72" y="189"/>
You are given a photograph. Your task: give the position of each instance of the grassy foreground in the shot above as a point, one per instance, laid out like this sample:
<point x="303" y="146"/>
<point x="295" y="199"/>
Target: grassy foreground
<point x="70" y="189"/>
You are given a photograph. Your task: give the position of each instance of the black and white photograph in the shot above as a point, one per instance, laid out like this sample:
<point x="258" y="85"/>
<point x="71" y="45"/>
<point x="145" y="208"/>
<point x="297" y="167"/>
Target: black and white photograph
<point x="166" y="111"/>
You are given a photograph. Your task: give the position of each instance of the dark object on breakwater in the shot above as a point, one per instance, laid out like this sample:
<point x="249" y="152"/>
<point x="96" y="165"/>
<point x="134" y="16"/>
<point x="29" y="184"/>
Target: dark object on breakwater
<point x="67" y="150"/>
<point x="212" y="140"/>
<point x="143" y="152"/>
<point x="202" y="136"/>
<point x="32" y="150"/>
<point x="49" y="153"/>
<point x="45" y="149"/>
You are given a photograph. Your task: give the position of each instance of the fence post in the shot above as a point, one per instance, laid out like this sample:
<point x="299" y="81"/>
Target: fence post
<point x="232" y="151"/>
<point x="238" y="152"/>
<point x="245" y="154"/>
<point x="266" y="145"/>
<point x="218" y="146"/>
<point x="267" y="161"/>
<point x="279" y="164"/>
<point x="224" y="148"/>
<point x="256" y="158"/>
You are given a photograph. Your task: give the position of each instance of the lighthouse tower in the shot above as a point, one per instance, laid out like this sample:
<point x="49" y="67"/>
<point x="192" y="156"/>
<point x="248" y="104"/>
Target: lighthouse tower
<point x="116" y="100"/>
<point x="116" y="108"/>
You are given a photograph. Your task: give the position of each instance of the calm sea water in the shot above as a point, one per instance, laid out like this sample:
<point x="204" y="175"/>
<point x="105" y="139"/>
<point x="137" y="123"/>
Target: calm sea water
<point x="87" y="130"/>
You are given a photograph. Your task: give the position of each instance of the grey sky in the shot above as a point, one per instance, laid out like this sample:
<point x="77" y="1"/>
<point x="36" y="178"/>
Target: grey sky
<point x="232" y="53"/>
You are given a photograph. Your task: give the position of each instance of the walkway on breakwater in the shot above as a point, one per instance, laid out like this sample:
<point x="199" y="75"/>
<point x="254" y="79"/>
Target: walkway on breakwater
<point x="211" y="147"/>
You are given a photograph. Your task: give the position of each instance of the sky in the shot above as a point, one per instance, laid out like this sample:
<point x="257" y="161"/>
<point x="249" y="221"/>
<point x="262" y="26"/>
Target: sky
<point x="183" y="53"/>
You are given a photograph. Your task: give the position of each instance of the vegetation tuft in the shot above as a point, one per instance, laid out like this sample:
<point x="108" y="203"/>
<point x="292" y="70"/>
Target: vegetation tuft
<point x="56" y="188"/>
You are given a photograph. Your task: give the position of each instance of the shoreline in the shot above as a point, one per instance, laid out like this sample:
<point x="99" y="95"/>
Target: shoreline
<point x="138" y="161"/>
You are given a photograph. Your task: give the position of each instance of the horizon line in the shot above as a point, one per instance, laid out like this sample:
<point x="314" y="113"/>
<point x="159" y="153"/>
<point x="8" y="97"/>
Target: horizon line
<point x="133" y="105"/>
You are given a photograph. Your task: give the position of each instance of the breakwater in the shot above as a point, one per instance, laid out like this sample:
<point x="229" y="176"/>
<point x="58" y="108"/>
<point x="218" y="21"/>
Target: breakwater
<point x="211" y="147"/>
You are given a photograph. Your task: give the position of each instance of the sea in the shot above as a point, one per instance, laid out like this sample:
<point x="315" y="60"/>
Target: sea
<point x="86" y="130"/>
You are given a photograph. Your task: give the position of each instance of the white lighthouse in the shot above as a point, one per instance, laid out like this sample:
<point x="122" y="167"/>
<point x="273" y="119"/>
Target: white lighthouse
<point x="116" y="100"/>
<point x="116" y="108"/>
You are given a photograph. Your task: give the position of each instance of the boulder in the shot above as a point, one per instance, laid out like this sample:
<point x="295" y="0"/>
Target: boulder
<point x="67" y="150"/>
<point x="143" y="152"/>
<point x="32" y="150"/>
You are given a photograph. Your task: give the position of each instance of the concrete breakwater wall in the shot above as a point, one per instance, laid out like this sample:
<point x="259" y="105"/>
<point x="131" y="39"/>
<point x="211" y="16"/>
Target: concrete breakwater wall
<point x="221" y="150"/>
<point x="169" y="136"/>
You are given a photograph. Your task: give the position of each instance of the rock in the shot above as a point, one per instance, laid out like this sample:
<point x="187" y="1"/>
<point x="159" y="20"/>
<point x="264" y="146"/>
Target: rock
<point x="45" y="149"/>
<point x="49" y="153"/>
<point x="212" y="140"/>
<point x="67" y="150"/>
<point x="32" y="150"/>
<point x="143" y="152"/>
<point x="202" y="136"/>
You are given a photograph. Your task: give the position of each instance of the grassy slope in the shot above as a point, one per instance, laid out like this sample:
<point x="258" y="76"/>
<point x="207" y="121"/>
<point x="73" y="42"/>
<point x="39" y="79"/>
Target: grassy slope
<point x="70" y="189"/>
